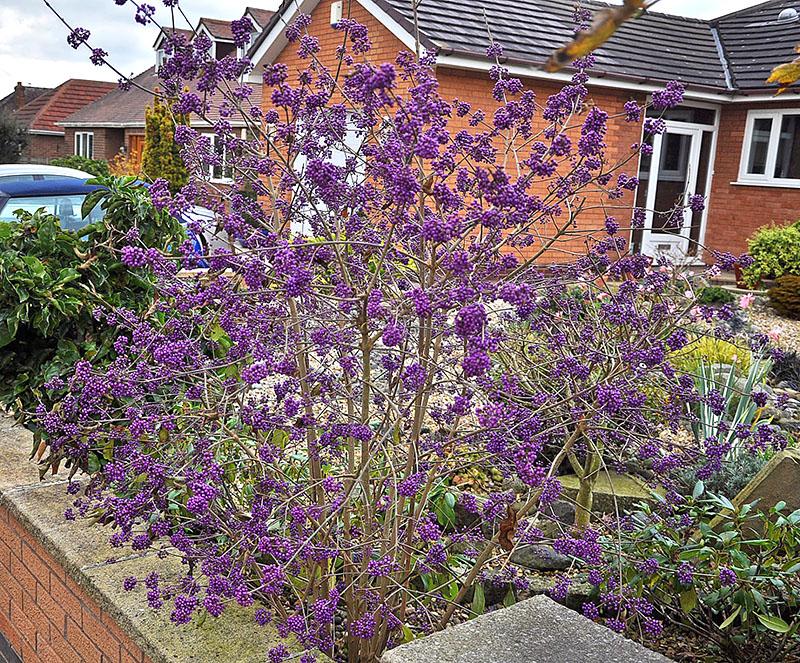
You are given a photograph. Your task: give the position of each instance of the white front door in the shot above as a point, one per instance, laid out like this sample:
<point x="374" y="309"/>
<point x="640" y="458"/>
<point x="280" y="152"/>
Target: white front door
<point x="673" y="177"/>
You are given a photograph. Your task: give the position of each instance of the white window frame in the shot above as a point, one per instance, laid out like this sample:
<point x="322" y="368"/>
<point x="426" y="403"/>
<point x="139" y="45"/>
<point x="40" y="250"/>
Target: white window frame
<point x="212" y="137"/>
<point x="84" y="144"/>
<point x="768" y="178"/>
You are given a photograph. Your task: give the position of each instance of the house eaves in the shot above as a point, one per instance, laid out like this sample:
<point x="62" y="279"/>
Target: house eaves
<point x="692" y="50"/>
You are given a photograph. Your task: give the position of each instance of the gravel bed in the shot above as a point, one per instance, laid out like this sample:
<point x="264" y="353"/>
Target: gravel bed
<point x="764" y="318"/>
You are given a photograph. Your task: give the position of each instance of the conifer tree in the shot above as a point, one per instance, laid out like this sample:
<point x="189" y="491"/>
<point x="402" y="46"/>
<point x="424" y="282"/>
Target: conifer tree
<point x="162" y="157"/>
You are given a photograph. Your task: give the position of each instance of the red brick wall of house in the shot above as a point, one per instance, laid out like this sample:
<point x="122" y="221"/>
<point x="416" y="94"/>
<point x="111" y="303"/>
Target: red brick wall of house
<point x="106" y="141"/>
<point x="475" y="88"/>
<point x="41" y="149"/>
<point x="44" y="615"/>
<point x="736" y="211"/>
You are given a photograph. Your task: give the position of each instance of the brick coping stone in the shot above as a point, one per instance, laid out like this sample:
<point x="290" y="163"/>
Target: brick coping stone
<point x="535" y="631"/>
<point x="95" y="614"/>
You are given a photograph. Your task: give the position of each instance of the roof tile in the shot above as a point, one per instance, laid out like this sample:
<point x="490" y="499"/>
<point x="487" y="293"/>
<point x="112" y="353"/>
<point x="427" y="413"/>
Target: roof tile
<point x="46" y="110"/>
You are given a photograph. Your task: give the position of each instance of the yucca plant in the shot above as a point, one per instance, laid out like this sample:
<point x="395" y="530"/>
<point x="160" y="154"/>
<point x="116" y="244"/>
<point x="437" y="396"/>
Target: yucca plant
<point x="727" y="407"/>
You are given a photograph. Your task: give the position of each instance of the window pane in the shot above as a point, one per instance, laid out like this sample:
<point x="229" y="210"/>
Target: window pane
<point x="701" y="188"/>
<point x="66" y="208"/>
<point x="759" y="144"/>
<point x="787" y="165"/>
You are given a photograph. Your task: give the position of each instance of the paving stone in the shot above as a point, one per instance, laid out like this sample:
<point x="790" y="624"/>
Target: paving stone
<point x="234" y="636"/>
<point x="16" y="468"/>
<point x="535" y="631"/>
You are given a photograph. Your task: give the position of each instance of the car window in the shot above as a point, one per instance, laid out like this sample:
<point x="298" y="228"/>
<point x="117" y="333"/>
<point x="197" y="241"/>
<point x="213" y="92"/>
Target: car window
<point x="35" y="177"/>
<point x="67" y="208"/>
<point x="19" y="178"/>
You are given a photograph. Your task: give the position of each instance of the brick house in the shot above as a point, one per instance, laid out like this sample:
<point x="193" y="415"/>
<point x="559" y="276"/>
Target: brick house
<point x="733" y="140"/>
<point x="40" y="110"/>
<point x="116" y="122"/>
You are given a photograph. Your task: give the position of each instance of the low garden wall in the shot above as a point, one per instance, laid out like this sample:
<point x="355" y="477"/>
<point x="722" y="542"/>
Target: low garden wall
<point x="61" y="600"/>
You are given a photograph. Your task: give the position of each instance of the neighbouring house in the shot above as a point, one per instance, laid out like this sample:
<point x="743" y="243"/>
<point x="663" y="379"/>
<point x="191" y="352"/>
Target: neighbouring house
<point x="21" y="96"/>
<point x="40" y="110"/>
<point x="116" y="122"/>
<point x="733" y="140"/>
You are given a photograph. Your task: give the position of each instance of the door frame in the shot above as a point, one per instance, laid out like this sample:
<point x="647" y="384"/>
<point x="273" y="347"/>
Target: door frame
<point x="714" y="129"/>
<point x="681" y="239"/>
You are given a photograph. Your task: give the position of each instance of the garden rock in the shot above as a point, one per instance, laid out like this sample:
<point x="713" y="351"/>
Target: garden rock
<point x="540" y="558"/>
<point x="535" y="631"/>
<point x="612" y="491"/>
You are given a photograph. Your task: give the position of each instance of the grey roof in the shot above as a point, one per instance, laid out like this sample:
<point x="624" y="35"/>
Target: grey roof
<point x="530" y="30"/>
<point x="734" y="53"/>
<point x="755" y="41"/>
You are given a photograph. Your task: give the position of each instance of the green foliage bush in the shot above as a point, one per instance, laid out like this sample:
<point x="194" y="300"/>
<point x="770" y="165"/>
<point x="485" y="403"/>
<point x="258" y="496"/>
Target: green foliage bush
<point x="95" y="167"/>
<point x="52" y="280"/>
<point x="775" y="251"/>
<point x="785" y="296"/>
<point x="734" y="475"/>
<point x="728" y="574"/>
<point x="715" y="295"/>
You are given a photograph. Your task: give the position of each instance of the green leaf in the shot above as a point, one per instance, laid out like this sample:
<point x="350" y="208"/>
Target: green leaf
<point x="730" y="619"/>
<point x="699" y="489"/>
<point x="794" y="569"/>
<point x="689" y="600"/>
<point x="445" y="514"/>
<point x="773" y="623"/>
<point x="478" y="600"/>
<point x="510" y="599"/>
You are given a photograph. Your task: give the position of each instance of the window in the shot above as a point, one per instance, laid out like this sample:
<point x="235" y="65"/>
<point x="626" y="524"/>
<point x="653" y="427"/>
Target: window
<point x="66" y="207"/>
<point x="771" y="151"/>
<point x="220" y="170"/>
<point x="161" y="56"/>
<point x="84" y="144"/>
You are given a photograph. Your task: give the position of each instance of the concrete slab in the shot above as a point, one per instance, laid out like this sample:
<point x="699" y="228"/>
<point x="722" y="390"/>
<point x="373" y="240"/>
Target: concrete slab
<point x="535" y="631"/>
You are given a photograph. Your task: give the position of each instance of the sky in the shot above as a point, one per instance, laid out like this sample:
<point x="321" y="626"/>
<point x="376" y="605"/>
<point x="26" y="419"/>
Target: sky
<point x="33" y="47"/>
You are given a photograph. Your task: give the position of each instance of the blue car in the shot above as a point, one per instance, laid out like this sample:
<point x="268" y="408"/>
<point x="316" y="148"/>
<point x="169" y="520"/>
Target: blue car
<point x="63" y="197"/>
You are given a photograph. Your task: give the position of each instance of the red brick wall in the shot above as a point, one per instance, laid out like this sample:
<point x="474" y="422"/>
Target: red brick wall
<point x="41" y="149"/>
<point x="475" y="88"/>
<point x="736" y="211"/>
<point x="106" y="141"/>
<point x="44" y="615"/>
